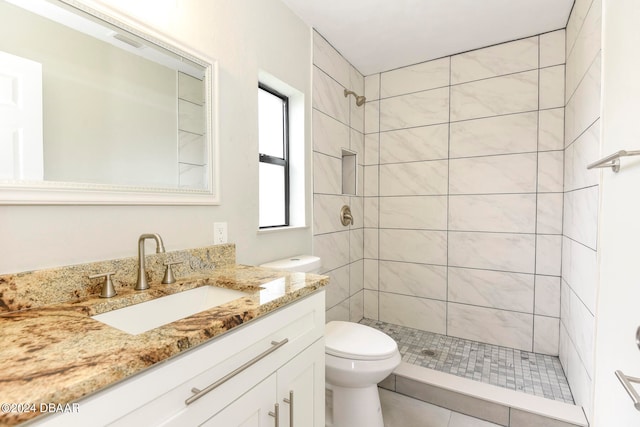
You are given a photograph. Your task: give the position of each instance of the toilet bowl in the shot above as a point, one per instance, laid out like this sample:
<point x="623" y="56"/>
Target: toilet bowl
<point x="357" y="358"/>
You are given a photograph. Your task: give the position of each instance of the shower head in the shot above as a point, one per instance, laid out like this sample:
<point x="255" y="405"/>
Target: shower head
<point x="359" y="99"/>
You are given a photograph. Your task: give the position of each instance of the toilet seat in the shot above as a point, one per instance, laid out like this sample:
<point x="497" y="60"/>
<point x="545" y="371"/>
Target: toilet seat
<point x="359" y="342"/>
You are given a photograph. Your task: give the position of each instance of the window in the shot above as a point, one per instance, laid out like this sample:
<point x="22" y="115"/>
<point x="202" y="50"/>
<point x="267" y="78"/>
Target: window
<point x="273" y="147"/>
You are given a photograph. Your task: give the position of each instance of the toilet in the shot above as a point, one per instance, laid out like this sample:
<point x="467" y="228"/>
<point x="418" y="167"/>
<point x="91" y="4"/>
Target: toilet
<point x="357" y="358"/>
<point x="299" y="263"/>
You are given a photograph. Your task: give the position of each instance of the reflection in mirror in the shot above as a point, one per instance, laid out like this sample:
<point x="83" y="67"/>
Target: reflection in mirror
<point x="89" y="103"/>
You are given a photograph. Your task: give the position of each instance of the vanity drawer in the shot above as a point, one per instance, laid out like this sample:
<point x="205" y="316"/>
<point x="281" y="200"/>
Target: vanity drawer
<point x="158" y="394"/>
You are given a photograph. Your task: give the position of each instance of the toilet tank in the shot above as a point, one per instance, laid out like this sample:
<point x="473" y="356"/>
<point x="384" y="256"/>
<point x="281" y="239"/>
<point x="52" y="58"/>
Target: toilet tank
<point x="299" y="263"/>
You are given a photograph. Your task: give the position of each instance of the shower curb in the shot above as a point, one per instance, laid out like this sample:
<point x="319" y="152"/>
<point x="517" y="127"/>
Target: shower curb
<point x="491" y="403"/>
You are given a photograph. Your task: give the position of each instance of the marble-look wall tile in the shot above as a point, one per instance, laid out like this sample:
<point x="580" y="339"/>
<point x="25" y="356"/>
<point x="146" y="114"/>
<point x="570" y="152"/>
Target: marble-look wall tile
<point x="190" y="89"/>
<point x="552" y="87"/>
<point x="421" y="246"/>
<point x="547" y="298"/>
<point x="371" y="304"/>
<point x="372" y="117"/>
<point x="372" y="87"/>
<point x="581" y="215"/>
<point x="356" y="277"/>
<point x="328" y="96"/>
<point x="580" y="324"/>
<point x="338" y="288"/>
<point x="191" y="176"/>
<point x="551" y="129"/>
<point x="371" y="274"/>
<point x="327" y="171"/>
<point x="419" y="178"/>
<point x="552" y="48"/>
<point x="583" y="108"/>
<point x="514" y="173"/>
<point x="505" y="58"/>
<point x="549" y="218"/>
<point x="550" y="171"/>
<point x="191" y="117"/>
<point x="333" y="249"/>
<point x="329" y="135"/>
<point x="514" y="93"/>
<point x="578" y="378"/>
<point x="371" y="205"/>
<point x="356" y="81"/>
<point x="356" y="118"/>
<point x="417" y="109"/>
<point x="415" y="78"/>
<point x="371" y="243"/>
<point x="579" y="270"/>
<point x="356" y="244"/>
<point x="546" y="335"/>
<point x="356" y="307"/>
<point x="417" y="212"/>
<point x="420" y="280"/>
<point x="494" y="289"/>
<point x="587" y="46"/>
<point x="338" y="312"/>
<point x="514" y="133"/>
<point x="325" y="217"/>
<point x="585" y="150"/>
<point x="500" y="327"/>
<point x="492" y="251"/>
<point x="371" y="149"/>
<point x="329" y="60"/>
<point x="357" y="211"/>
<point x="548" y="254"/>
<point x="191" y="148"/>
<point x="512" y="213"/>
<point x="576" y="20"/>
<point x="371" y="177"/>
<point x="414" y="144"/>
<point x="356" y="143"/>
<point x="420" y="313"/>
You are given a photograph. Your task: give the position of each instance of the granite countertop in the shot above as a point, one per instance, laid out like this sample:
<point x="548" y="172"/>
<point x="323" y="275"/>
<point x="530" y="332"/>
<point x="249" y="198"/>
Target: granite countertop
<point x="58" y="354"/>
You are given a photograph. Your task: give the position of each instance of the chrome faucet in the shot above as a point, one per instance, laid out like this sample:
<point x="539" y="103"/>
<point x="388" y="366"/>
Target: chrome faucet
<point x="142" y="283"/>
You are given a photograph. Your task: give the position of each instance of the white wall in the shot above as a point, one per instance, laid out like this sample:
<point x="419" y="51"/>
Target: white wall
<point x="244" y="36"/>
<point x="617" y="315"/>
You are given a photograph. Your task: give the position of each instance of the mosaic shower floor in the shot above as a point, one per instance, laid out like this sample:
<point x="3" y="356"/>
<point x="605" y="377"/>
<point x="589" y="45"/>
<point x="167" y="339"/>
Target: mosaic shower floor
<point x="531" y="373"/>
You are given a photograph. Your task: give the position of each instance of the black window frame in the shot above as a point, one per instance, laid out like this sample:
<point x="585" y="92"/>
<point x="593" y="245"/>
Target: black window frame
<point x="280" y="161"/>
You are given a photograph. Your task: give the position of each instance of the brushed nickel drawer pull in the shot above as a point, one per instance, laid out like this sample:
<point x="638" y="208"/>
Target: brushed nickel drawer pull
<point x="276" y="414"/>
<point x="199" y="393"/>
<point x="290" y="402"/>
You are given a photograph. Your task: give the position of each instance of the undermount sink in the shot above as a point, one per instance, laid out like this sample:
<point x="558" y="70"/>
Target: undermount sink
<point x="145" y="316"/>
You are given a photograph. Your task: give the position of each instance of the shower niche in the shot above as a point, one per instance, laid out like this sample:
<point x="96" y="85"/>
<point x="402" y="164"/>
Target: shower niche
<point x="349" y="172"/>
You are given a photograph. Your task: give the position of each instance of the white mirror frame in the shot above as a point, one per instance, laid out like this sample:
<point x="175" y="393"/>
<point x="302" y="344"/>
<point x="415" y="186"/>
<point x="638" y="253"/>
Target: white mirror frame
<point x="69" y="193"/>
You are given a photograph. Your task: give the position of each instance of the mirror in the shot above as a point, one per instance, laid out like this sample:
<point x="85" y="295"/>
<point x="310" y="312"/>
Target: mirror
<point x="96" y="109"/>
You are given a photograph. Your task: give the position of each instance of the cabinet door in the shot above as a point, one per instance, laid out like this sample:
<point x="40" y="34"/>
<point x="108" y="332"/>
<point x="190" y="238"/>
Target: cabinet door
<point x="301" y="388"/>
<point x="249" y="410"/>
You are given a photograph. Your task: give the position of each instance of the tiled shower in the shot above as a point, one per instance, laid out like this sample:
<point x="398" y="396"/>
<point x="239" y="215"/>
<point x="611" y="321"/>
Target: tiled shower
<point x="476" y="215"/>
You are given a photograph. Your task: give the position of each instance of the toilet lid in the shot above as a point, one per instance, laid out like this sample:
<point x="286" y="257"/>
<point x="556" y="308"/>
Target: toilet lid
<point x="355" y="341"/>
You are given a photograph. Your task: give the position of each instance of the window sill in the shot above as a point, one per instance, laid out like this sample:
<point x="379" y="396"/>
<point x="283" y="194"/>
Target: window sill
<point x="277" y="229"/>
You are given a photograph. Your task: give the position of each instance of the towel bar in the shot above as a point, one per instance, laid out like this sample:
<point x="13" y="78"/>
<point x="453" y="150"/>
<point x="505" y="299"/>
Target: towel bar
<point x="613" y="160"/>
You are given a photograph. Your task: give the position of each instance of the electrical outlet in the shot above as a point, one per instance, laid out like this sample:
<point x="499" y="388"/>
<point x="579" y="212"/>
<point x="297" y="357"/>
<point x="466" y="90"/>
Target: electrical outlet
<point x="219" y="233"/>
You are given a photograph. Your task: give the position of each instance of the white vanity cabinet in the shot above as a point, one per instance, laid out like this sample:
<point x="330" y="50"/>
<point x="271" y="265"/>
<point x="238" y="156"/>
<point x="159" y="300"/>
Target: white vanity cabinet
<point x="282" y="355"/>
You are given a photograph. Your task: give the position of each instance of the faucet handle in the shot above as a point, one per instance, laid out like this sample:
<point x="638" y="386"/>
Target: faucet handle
<point x="108" y="290"/>
<point x="168" y="273"/>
